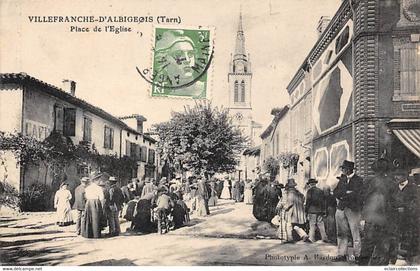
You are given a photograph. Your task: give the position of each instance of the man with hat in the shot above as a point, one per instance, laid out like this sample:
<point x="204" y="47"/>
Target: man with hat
<point x="348" y="192"/>
<point x="315" y="210"/>
<point x="377" y="218"/>
<point x="116" y="200"/>
<point x="405" y="207"/>
<point x="80" y="202"/>
<point x="136" y="189"/>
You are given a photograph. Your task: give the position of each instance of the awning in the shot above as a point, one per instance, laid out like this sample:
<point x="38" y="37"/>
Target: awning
<point x="408" y="132"/>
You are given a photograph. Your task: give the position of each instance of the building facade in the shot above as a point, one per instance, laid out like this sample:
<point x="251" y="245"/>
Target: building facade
<point x="35" y="109"/>
<point x="359" y="89"/>
<point x="141" y="147"/>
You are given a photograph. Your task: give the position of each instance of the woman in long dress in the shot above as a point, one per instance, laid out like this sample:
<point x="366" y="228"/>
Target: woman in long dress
<point x="142" y="219"/>
<point x="93" y="219"/>
<point x="213" y="194"/>
<point x="62" y="204"/>
<point x="225" y="191"/>
<point x="248" y="192"/>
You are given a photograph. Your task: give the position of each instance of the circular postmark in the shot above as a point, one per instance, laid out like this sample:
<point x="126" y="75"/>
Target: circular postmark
<point x="180" y="63"/>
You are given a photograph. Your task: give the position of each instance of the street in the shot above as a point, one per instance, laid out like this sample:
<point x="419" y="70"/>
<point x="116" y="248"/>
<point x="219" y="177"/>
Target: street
<point x="229" y="236"/>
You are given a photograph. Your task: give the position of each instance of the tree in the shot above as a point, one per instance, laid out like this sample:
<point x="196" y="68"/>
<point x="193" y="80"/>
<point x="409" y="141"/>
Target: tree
<point x="201" y="139"/>
<point x="272" y="165"/>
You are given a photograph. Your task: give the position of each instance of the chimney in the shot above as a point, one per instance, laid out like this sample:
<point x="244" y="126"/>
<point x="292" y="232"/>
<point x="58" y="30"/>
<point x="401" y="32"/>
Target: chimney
<point x="140" y="120"/>
<point x="69" y="86"/>
<point x="322" y="24"/>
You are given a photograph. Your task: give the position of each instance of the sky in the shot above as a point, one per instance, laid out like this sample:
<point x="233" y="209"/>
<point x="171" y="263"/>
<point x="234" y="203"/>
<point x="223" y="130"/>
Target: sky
<point x="278" y="36"/>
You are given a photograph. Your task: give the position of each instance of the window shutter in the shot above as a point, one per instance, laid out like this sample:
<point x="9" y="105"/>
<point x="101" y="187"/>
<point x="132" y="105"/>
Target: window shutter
<point x="151" y="157"/>
<point x="133" y="149"/>
<point x="87" y="129"/>
<point x="143" y="153"/>
<point x="127" y="148"/>
<point x="58" y="118"/>
<point x="138" y="153"/>
<point x="69" y="121"/>
<point x="111" y="138"/>
<point x="106" y="136"/>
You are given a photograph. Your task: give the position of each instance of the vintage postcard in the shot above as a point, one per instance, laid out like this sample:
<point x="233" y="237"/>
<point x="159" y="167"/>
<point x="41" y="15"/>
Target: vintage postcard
<point x="209" y="133"/>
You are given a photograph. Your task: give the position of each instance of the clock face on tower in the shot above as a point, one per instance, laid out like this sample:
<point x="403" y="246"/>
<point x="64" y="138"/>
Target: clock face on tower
<point x="239" y="116"/>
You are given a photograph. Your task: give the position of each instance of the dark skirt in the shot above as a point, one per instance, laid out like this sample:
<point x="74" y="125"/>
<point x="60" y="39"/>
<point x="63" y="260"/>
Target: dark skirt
<point x="142" y="218"/>
<point x="93" y="220"/>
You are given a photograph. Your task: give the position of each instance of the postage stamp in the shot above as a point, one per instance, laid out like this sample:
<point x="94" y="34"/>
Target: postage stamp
<point x="181" y="62"/>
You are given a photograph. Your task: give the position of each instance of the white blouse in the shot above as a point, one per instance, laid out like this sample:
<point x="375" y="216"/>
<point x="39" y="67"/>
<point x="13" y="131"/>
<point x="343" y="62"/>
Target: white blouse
<point x="94" y="191"/>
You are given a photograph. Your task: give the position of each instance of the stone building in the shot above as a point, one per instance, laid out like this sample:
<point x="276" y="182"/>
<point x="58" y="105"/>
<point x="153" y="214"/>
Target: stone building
<point x="358" y="90"/>
<point x="35" y="108"/>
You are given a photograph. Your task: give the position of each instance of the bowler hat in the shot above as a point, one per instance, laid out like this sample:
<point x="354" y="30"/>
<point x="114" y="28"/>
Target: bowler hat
<point x="312" y="180"/>
<point x="401" y="173"/>
<point x="347" y="164"/>
<point x="291" y="183"/>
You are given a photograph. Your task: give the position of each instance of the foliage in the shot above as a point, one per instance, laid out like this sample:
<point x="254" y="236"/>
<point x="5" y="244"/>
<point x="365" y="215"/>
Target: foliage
<point x="288" y="159"/>
<point x="36" y="197"/>
<point x="272" y="166"/>
<point x="201" y="139"/>
<point x="9" y="196"/>
<point x="56" y="152"/>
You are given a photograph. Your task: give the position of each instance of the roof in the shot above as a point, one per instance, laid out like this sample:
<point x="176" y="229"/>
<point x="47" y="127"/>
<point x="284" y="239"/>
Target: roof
<point x="324" y="40"/>
<point x="149" y="138"/>
<point x="277" y="117"/>
<point x="134" y="116"/>
<point x="25" y="79"/>
<point x="254" y="151"/>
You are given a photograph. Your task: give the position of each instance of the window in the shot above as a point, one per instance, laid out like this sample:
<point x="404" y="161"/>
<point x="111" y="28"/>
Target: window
<point x="87" y="129"/>
<point x="133" y="150"/>
<point x="410" y="70"/>
<point x="143" y="153"/>
<point x="58" y="118"/>
<point x="243" y="91"/>
<point x="108" y="138"/>
<point x="65" y="120"/>
<point x="151" y="159"/>
<point x="342" y="40"/>
<point x="236" y="94"/>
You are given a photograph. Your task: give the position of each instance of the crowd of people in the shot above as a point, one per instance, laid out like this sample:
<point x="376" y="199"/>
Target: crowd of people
<point x="377" y="217"/>
<point x="99" y="202"/>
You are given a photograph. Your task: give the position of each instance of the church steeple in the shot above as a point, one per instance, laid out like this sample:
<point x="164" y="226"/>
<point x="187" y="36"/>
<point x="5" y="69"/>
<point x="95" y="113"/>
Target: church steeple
<point x="240" y="53"/>
<point x="240" y="61"/>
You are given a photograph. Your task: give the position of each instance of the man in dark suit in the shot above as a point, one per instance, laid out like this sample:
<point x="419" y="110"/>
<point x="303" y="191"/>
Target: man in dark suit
<point x="315" y="210"/>
<point x="80" y="202"/>
<point x="348" y="214"/>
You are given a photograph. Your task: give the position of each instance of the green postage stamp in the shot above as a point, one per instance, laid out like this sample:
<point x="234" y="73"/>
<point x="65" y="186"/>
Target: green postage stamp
<point x="181" y="62"/>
